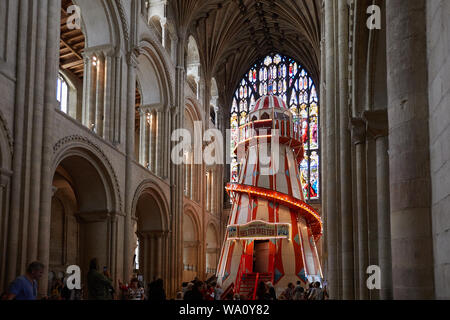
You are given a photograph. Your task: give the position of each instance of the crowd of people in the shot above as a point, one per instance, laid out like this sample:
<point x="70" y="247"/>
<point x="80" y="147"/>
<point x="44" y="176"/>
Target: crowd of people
<point x="100" y="287"/>
<point x="210" y="290"/>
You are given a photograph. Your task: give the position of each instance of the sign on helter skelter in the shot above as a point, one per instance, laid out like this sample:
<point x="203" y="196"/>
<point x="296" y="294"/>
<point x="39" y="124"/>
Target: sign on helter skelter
<point x="259" y="230"/>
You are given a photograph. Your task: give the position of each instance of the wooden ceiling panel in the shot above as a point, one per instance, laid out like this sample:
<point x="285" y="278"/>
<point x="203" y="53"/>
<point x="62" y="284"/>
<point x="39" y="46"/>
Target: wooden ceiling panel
<point x="72" y="45"/>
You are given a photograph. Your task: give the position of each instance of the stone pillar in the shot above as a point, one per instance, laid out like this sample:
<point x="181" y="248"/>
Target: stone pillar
<point x="113" y="221"/>
<point x="345" y="158"/>
<point x="377" y="127"/>
<point x="5" y="182"/>
<point x="330" y="149"/>
<point x="159" y="142"/>
<point x="409" y="155"/>
<point x="152" y="138"/>
<point x="100" y="100"/>
<point x="152" y="257"/>
<point x="51" y="74"/>
<point x="92" y="90"/>
<point x="36" y="136"/>
<point x="147" y="139"/>
<point x="146" y="249"/>
<point x="108" y="103"/>
<point x="142" y="137"/>
<point x="130" y="129"/>
<point x="212" y="191"/>
<point x="359" y="140"/>
<point x="22" y="67"/>
<point x="208" y="194"/>
<point x="159" y="256"/>
<point x="189" y="176"/>
<point x="166" y="257"/>
<point x="87" y="82"/>
<point x="193" y="195"/>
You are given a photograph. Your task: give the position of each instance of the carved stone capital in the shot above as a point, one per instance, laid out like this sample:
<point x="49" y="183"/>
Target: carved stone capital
<point x="132" y="57"/>
<point x="376" y="123"/>
<point x="174" y="110"/>
<point x="358" y="130"/>
<point x="158" y="107"/>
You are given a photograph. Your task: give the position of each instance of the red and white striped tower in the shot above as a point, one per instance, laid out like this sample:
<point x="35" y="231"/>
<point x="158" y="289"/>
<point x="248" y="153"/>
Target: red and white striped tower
<point x="272" y="232"/>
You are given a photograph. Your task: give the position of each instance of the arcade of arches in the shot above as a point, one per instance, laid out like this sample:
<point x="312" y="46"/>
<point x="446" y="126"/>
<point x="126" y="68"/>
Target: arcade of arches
<point x="87" y="114"/>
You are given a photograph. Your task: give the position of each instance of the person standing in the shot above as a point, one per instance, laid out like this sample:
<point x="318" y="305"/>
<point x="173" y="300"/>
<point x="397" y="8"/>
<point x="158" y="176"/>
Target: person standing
<point x="272" y="293"/>
<point x="262" y="292"/>
<point x="134" y="291"/>
<point x="299" y="292"/>
<point x="194" y="294"/>
<point x="218" y="292"/>
<point x="26" y="287"/>
<point x="99" y="285"/>
<point x="157" y="292"/>
<point x="289" y="292"/>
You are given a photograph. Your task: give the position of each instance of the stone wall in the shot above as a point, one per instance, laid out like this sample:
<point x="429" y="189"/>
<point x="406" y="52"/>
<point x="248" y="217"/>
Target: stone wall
<point x="438" y="48"/>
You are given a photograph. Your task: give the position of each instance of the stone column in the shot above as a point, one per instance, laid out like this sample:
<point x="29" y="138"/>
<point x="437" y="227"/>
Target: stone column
<point x="152" y="257"/>
<point x="113" y="221"/>
<point x="176" y="172"/>
<point x="409" y="155"/>
<point x="189" y="176"/>
<point x="377" y="127"/>
<point x="193" y="195"/>
<point x="330" y="149"/>
<point x="159" y="142"/>
<point x="166" y="257"/>
<point x="5" y="182"/>
<point x="130" y="129"/>
<point x="22" y="67"/>
<point x="100" y="100"/>
<point x="212" y="191"/>
<point x="152" y="148"/>
<point x="36" y="136"/>
<point x="51" y="74"/>
<point x="345" y="158"/>
<point x="142" y="137"/>
<point x="147" y="139"/>
<point x="208" y="194"/>
<point x="87" y="57"/>
<point x="159" y="256"/>
<point x="108" y="103"/>
<point x="92" y="97"/>
<point x="358" y="128"/>
<point x="146" y="247"/>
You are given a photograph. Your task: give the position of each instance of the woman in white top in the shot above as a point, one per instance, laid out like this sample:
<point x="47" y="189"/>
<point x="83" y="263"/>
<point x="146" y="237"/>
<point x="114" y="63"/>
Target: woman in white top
<point x="134" y="292"/>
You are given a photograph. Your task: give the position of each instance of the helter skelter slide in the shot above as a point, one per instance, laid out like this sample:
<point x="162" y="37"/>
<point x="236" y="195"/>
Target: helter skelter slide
<point x="272" y="233"/>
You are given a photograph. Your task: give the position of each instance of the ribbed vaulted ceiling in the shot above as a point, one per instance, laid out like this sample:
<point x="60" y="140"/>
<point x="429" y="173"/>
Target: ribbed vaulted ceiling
<point x="233" y="34"/>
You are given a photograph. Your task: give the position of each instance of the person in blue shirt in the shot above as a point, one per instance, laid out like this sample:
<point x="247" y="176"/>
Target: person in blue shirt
<point x="25" y="287"/>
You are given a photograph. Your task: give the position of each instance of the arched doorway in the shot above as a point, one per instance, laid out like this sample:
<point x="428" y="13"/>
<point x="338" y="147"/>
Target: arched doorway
<point x="83" y="223"/>
<point x="212" y="251"/>
<point x="151" y="241"/>
<point x="191" y="246"/>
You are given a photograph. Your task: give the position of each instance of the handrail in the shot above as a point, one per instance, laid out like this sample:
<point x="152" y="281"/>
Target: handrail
<point x="227" y="291"/>
<point x="286" y="128"/>
<point x="273" y="269"/>
<point x="256" y="286"/>
<point x="239" y="275"/>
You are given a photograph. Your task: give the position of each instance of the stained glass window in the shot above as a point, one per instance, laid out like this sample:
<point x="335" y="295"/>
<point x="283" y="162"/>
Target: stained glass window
<point x="284" y="77"/>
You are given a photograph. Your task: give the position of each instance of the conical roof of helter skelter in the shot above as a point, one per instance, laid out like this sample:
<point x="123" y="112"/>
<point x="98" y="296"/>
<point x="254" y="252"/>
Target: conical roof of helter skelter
<point x="268" y="103"/>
